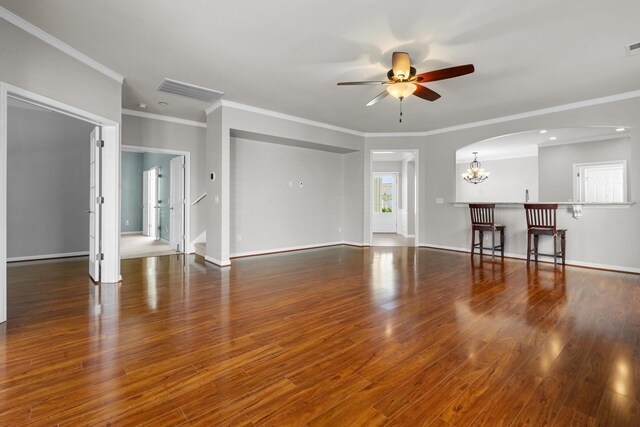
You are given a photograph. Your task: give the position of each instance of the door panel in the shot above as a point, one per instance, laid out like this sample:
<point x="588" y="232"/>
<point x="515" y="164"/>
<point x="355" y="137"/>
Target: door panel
<point x="145" y="203"/>
<point x="94" y="206"/>
<point x="385" y="197"/>
<point x="176" y="204"/>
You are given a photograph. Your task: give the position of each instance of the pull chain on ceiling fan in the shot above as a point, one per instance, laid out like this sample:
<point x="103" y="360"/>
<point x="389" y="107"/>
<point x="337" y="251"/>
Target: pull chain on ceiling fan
<point x="403" y="81"/>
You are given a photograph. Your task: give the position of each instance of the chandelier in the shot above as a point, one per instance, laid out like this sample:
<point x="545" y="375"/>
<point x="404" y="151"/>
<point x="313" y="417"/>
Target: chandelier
<point x="475" y="174"/>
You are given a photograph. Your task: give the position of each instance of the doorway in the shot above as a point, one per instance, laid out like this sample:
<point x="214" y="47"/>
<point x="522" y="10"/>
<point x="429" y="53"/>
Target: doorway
<point x="393" y="209"/>
<point x="154" y="213"/>
<point x="101" y="244"/>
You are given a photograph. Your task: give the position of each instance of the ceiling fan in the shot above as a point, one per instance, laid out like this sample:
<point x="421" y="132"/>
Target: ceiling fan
<point x="403" y="81"/>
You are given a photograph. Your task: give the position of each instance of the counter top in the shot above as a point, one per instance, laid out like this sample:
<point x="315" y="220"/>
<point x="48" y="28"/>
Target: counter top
<point x="568" y="204"/>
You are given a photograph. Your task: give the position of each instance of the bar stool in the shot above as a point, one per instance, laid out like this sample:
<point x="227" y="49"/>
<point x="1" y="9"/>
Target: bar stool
<point x="541" y="221"/>
<point x="482" y="220"/>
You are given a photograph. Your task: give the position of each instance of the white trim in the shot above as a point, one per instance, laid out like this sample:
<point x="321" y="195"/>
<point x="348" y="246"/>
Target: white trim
<point x="217" y="262"/>
<point x="213" y="107"/>
<point x="49" y="256"/>
<point x="171" y="119"/>
<point x="368" y="207"/>
<point x="533" y="113"/>
<point x="359" y="244"/>
<point x="287" y="249"/>
<point x="187" y="183"/>
<point x="569" y="263"/>
<point x="110" y="267"/>
<point x="58" y="44"/>
<point x="130" y="232"/>
<point x="278" y="115"/>
<point x="564" y="107"/>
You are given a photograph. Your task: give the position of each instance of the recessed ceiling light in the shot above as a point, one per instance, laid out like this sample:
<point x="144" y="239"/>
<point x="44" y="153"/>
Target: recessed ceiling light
<point x="383" y="152"/>
<point x="553" y="138"/>
<point x="543" y="131"/>
<point x="621" y="129"/>
<point x="141" y="105"/>
<point x="163" y="103"/>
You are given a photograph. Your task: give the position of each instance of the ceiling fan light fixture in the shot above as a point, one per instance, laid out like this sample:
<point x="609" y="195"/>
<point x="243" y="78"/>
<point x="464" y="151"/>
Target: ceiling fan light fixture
<point x="401" y="65"/>
<point x="401" y="90"/>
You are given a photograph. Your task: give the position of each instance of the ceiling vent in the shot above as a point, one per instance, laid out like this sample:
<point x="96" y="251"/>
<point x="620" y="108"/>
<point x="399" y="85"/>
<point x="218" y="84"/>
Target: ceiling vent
<point x="188" y="90"/>
<point x="633" y="49"/>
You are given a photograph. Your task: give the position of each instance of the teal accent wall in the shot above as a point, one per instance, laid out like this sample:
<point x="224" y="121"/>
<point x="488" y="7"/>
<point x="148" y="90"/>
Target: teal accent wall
<point x="163" y="162"/>
<point x="131" y="192"/>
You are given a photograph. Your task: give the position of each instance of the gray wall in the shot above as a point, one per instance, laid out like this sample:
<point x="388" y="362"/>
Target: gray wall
<point x="269" y="209"/>
<point x="507" y="182"/>
<point x="48" y="183"/>
<point x="131" y="192"/>
<point x="144" y="132"/>
<point x="556" y="183"/>
<point x="606" y="236"/>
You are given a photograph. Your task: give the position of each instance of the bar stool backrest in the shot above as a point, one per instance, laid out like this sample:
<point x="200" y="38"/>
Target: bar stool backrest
<point x="482" y="213"/>
<point x="541" y="215"/>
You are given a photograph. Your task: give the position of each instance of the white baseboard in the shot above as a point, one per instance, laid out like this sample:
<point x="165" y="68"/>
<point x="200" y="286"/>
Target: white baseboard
<point x="47" y="256"/>
<point x="359" y="244"/>
<point x="217" y="262"/>
<point x="131" y="232"/>
<point x="287" y="249"/>
<point x="523" y="257"/>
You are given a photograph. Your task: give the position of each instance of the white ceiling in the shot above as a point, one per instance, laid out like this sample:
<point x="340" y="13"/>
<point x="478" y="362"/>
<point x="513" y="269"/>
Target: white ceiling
<point x="525" y="144"/>
<point x="287" y="55"/>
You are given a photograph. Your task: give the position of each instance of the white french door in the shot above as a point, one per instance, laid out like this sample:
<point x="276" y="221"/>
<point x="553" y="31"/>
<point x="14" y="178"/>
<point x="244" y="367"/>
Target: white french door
<point x="177" y="204"/>
<point x="150" y="203"/>
<point x="95" y="205"/>
<point x="385" y="203"/>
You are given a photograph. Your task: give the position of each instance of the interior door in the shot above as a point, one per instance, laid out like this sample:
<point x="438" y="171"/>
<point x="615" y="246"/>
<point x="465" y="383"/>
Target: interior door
<point x="145" y="204"/>
<point x="176" y="204"/>
<point x="385" y="201"/>
<point x="152" y="203"/>
<point x="95" y="205"/>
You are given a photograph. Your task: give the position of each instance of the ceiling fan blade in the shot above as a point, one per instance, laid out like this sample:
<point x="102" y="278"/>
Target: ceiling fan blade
<point x="370" y="82"/>
<point x="445" y="73"/>
<point x="377" y="98"/>
<point x="401" y="64"/>
<point x="425" y="93"/>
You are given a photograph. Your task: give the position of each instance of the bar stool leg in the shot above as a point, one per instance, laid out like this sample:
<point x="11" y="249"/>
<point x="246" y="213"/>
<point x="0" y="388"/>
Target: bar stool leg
<point x="535" y="246"/>
<point x="563" y="245"/>
<point x="502" y="243"/>
<point x="528" y="247"/>
<point x="555" y="249"/>
<point x="493" y="244"/>
<point x="481" y="235"/>
<point x="473" y="241"/>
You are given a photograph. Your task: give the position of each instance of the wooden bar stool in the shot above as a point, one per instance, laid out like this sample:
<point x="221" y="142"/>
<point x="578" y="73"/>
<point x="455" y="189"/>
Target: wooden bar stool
<point x="482" y="220"/>
<point x="541" y="221"/>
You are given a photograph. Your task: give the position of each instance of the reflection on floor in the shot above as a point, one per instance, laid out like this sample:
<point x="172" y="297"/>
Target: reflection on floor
<point x="391" y="239"/>
<point x="334" y="336"/>
<point x="138" y="246"/>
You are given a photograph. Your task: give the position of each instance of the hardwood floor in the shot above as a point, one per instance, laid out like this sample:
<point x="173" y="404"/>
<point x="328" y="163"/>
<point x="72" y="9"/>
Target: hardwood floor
<point x="334" y="336"/>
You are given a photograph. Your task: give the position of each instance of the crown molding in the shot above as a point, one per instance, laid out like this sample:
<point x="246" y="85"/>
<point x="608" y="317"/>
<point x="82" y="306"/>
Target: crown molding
<point x="171" y="119"/>
<point x="275" y="114"/>
<point x="519" y="116"/>
<point x="534" y="113"/>
<point x="58" y="44"/>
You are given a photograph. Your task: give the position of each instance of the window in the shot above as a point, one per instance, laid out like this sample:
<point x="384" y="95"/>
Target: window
<point x="604" y="182"/>
<point x="383" y="194"/>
